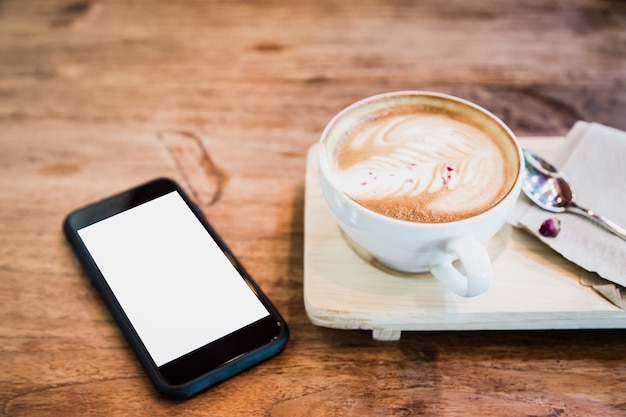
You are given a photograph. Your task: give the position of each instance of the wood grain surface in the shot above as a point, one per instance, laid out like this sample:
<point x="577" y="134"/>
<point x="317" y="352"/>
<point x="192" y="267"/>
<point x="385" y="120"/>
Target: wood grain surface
<point x="226" y="98"/>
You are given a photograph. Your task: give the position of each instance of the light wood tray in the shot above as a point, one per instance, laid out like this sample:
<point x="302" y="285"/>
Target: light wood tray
<point x="534" y="287"/>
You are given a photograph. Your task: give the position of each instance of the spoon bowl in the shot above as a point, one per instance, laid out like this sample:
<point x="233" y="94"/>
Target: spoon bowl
<point x="550" y="189"/>
<point x="545" y="185"/>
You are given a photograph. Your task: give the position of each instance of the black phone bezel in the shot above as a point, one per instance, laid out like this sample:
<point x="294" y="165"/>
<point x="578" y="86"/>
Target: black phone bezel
<point x="203" y="367"/>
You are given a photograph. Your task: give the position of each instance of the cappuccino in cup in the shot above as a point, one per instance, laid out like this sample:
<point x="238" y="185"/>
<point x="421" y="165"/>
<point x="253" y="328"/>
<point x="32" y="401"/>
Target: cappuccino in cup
<point x="419" y="181"/>
<point x="428" y="167"/>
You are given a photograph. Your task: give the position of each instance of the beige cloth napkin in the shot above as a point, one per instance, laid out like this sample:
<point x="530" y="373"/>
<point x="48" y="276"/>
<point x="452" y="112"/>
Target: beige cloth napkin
<point x="593" y="157"/>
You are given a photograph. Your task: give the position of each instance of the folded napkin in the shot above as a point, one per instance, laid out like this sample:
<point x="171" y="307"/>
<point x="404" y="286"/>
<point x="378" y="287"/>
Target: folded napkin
<point x="612" y="292"/>
<point x="593" y="157"/>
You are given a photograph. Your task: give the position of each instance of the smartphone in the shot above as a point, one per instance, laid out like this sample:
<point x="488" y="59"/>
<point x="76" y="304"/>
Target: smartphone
<point x="189" y="310"/>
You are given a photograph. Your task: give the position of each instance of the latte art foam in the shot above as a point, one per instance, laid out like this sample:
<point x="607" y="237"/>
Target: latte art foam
<point x="422" y="167"/>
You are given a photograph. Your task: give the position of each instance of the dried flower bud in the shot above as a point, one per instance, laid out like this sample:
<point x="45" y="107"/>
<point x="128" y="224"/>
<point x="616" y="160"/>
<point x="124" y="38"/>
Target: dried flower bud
<point x="550" y="227"/>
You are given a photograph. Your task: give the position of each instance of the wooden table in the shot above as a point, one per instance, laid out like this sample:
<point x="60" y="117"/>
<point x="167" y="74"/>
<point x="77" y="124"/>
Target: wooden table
<point x="227" y="97"/>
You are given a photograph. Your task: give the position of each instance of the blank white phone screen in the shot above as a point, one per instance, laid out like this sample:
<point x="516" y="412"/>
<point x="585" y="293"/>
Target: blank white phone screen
<point x="174" y="283"/>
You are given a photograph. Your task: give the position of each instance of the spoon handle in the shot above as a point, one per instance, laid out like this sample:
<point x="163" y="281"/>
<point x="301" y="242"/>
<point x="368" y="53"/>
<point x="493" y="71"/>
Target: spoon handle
<point x="601" y="220"/>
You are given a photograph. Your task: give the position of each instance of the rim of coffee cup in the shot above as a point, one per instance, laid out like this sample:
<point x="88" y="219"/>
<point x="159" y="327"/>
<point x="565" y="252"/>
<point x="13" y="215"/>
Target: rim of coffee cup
<point x="326" y="171"/>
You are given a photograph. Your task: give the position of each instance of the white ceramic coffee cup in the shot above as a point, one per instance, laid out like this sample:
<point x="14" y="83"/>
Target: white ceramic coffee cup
<point x="453" y="251"/>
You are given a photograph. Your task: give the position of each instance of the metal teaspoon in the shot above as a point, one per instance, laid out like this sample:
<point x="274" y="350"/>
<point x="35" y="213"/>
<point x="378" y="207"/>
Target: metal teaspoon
<point x="550" y="189"/>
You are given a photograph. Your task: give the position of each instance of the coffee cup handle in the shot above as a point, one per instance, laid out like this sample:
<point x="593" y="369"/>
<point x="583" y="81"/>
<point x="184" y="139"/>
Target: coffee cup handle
<point x="475" y="275"/>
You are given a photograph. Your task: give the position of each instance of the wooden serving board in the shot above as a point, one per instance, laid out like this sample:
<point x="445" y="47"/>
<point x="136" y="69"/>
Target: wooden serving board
<point x="534" y="287"/>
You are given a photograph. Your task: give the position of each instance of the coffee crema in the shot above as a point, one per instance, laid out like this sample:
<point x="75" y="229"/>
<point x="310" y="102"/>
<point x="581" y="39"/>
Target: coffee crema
<point x="423" y="167"/>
